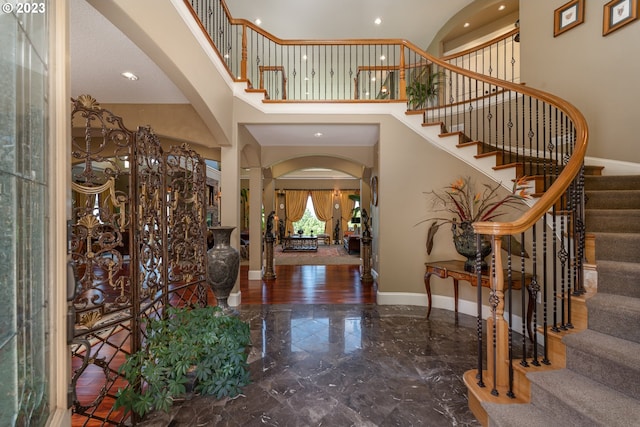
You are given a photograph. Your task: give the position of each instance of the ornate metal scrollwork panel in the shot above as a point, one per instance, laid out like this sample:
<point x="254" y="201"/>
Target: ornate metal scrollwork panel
<point x="186" y="180"/>
<point x="100" y="249"/>
<point x="138" y="243"/>
<point x="151" y="211"/>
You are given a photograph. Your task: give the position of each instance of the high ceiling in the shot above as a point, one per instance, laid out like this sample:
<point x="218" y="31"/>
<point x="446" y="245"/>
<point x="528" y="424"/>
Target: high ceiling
<point x="99" y="52"/>
<point x="415" y="20"/>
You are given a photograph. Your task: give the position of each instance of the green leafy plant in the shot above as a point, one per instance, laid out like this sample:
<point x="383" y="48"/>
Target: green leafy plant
<point x="355" y="213"/>
<point x="201" y="346"/>
<point x="424" y="88"/>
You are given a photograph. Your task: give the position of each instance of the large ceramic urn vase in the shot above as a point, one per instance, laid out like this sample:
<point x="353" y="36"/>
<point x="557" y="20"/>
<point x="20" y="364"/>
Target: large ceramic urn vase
<point x="464" y="239"/>
<point x="223" y="265"/>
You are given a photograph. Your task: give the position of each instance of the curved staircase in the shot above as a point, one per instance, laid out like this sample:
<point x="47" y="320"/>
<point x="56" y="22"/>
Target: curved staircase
<point x="600" y="384"/>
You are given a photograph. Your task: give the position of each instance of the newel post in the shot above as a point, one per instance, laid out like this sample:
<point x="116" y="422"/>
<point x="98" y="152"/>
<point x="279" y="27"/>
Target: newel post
<point x="243" y="61"/>
<point x="497" y="327"/>
<point x="403" y="79"/>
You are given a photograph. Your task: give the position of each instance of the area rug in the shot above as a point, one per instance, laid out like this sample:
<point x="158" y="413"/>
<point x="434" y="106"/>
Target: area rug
<point x="326" y="255"/>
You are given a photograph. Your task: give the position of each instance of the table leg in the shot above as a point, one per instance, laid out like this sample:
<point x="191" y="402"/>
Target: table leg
<point x="530" y="307"/>
<point x="427" y="285"/>
<point x="455" y="295"/>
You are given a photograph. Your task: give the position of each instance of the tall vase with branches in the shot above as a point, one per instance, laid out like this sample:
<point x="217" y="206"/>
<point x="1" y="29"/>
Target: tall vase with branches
<point x="463" y="206"/>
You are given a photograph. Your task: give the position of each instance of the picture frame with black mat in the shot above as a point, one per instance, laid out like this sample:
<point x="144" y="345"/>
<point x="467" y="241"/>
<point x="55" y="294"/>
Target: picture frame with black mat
<point x="617" y="14"/>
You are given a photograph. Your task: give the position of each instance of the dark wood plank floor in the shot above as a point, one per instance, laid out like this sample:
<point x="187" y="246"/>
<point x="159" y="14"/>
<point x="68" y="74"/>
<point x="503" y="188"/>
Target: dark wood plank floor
<point x="308" y="284"/>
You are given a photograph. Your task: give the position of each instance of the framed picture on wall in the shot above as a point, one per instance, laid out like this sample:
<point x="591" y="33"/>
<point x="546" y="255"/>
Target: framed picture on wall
<point x="568" y="16"/>
<point x="617" y="14"/>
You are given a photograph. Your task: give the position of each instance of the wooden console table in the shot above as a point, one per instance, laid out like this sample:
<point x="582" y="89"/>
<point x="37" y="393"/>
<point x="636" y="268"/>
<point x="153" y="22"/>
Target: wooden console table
<point x="300" y="243"/>
<point x="455" y="270"/>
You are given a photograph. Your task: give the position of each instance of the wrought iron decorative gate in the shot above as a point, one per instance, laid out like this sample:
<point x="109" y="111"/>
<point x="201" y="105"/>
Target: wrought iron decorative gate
<point x="137" y="243"/>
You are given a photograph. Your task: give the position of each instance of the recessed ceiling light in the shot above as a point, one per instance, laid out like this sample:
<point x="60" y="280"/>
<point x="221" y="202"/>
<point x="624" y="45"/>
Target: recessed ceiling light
<point x="382" y="57"/>
<point x="129" y="76"/>
<point x="466" y="24"/>
<point x="378" y="21"/>
<point x="317" y="134"/>
<point x="258" y="21"/>
<point x="502" y="7"/>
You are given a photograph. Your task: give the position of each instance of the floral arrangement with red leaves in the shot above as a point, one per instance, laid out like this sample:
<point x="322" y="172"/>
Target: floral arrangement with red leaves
<point x="466" y="205"/>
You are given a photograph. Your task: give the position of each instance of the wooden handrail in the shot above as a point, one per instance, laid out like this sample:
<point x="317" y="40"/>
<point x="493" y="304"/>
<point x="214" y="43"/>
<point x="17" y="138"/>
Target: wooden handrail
<point x="275" y="69"/>
<point x="560" y="185"/>
<point x="552" y="194"/>
<point x="481" y="46"/>
<point x="377" y="68"/>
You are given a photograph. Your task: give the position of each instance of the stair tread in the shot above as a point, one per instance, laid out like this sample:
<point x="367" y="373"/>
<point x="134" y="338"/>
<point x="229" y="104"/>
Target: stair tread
<point x="621" y="212"/>
<point x="616" y="277"/>
<point x="608" y="199"/>
<point x="612" y="182"/>
<point x="594" y="401"/>
<point x="617" y="303"/>
<point x="606" y="346"/>
<point x="617" y="265"/>
<point x="613" y="191"/>
<point x="612" y="220"/>
<point x="616" y="315"/>
<point x="616" y="235"/>
<point x="518" y="415"/>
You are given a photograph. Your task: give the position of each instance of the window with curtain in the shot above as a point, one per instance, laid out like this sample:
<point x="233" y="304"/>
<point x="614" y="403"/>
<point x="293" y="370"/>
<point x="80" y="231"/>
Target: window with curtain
<point x="310" y="223"/>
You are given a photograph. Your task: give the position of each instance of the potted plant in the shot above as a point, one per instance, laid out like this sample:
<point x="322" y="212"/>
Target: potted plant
<point x="424" y="89"/>
<point x="466" y="206"/>
<point x="355" y="213"/>
<point x="190" y="350"/>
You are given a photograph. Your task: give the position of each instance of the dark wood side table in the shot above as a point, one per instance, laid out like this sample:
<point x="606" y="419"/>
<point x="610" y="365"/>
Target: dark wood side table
<point x="455" y="269"/>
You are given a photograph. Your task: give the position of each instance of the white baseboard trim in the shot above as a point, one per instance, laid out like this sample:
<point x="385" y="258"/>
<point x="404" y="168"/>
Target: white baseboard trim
<point x="443" y="302"/>
<point x="235" y="299"/>
<point x="401" y="298"/>
<point x="255" y="274"/>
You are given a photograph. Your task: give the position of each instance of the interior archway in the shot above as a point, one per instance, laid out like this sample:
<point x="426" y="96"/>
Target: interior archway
<point x="335" y="179"/>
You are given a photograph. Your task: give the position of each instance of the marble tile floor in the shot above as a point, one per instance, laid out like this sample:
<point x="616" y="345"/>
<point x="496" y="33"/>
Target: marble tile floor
<point x="345" y="365"/>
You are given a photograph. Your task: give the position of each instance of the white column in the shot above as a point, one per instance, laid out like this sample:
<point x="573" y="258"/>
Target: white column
<point x="255" y="223"/>
<point x="59" y="142"/>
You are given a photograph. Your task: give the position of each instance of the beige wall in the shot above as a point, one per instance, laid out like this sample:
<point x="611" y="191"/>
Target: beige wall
<point x="409" y="166"/>
<point x="443" y="41"/>
<point x="179" y="54"/>
<point x="599" y="75"/>
<point x="176" y="121"/>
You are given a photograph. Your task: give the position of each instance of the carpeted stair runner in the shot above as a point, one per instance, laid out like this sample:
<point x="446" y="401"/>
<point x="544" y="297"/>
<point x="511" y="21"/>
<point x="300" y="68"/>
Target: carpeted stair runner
<point x="600" y="385"/>
<point x="610" y="243"/>
<point x="613" y="220"/>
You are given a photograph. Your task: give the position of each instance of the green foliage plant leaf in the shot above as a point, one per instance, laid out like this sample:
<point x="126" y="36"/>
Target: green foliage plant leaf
<point x="188" y="344"/>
